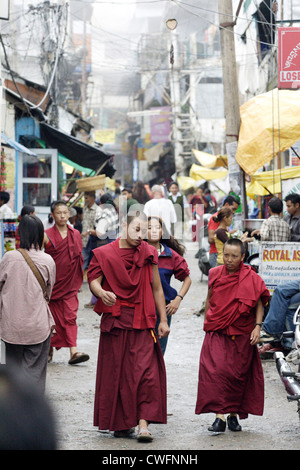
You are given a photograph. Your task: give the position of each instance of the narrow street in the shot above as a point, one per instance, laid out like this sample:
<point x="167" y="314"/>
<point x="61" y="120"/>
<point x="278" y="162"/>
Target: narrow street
<point x="71" y="392"/>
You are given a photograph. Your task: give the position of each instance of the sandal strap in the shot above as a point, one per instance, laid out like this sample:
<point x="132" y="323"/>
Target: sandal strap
<point x="145" y="431"/>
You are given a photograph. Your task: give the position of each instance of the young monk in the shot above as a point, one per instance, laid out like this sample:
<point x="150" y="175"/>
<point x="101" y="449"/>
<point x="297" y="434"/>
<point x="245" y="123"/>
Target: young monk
<point x="230" y="372"/>
<point x="131" y="377"/>
<point x="64" y="244"/>
<point x="170" y="263"/>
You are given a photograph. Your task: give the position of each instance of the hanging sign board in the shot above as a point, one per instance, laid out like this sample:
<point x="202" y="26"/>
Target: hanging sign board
<point x="289" y="58"/>
<point x="279" y="263"/>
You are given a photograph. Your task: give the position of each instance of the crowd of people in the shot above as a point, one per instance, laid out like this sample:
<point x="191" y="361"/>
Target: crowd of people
<point x="129" y="244"/>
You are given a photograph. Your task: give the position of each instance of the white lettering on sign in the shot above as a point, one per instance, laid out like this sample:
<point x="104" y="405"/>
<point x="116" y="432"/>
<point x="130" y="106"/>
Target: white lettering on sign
<point x="290" y="76"/>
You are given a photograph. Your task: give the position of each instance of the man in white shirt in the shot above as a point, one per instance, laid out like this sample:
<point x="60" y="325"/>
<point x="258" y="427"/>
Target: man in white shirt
<point x="161" y="207"/>
<point x="5" y="211"/>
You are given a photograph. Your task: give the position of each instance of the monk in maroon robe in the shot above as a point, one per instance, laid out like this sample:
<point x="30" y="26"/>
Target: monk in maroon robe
<point x="131" y="376"/>
<point x="230" y="372"/>
<point x="64" y="244"/>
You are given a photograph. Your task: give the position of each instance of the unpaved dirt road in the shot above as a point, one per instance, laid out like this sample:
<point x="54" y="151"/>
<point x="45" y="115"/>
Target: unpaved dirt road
<point x="70" y="390"/>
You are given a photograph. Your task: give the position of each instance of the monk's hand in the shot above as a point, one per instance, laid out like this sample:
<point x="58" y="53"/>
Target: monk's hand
<point x="108" y="298"/>
<point x="255" y="336"/>
<point x="173" y="306"/>
<point x="163" y="330"/>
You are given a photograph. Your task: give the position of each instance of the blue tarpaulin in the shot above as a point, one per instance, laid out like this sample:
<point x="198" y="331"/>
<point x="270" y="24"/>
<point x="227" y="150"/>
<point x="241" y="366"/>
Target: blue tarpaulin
<point x="15" y="145"/>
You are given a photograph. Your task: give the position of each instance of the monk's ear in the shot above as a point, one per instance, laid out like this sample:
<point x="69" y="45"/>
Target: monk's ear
<point x="243" y="256"/>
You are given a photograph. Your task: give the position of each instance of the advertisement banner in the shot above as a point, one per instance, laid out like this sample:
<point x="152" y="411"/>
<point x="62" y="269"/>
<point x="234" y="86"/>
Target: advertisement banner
<point x="161" y="125"/>
<point x="279" y="263"/>
<point x="289" y="58"/>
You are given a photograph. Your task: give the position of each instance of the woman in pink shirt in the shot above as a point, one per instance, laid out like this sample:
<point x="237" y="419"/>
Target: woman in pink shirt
<point x="25" y="319"/>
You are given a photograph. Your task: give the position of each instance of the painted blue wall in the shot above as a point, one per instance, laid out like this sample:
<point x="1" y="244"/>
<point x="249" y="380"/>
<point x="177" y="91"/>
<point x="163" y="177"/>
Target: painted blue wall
<point x="24" y="126"/>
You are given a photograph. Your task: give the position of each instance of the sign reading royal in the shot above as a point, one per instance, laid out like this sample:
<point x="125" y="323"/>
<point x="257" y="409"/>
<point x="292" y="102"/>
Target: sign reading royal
<point x="289" y="58"/>
<point x="279" y="263"/>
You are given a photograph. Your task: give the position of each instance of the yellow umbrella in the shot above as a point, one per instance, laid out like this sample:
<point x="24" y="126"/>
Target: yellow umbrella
<point x="198" y="172"/>
<point x="270" y="123"/>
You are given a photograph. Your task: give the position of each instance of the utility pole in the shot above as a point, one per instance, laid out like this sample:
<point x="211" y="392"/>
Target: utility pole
<point x="231" y="99"/>
<point x="4" y="15"/>
<point x="176" y="110"/>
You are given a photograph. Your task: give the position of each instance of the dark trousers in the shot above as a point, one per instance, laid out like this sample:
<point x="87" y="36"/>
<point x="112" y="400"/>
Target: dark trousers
<point x="32" y="359"/>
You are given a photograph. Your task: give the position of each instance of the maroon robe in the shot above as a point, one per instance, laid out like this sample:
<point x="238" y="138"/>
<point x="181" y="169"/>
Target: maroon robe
<point x="67" y="254"/>
<point x="230" y="372"/>
<point x="131" y="376"/>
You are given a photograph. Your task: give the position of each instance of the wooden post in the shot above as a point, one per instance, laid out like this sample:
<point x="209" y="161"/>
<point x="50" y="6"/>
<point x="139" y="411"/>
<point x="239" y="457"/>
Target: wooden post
<point x="230" y="86"/>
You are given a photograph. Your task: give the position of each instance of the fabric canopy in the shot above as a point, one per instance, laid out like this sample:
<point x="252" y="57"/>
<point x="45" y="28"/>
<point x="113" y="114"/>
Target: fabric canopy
<point x="267" y="182"/>
<point x="210" y="161"/>
<point x="199" y="172"/>
<point x="185" y="182"/>
<point x="270" y="123"/>
<point x="16" y="145"/>
<point x="76" y="151"/>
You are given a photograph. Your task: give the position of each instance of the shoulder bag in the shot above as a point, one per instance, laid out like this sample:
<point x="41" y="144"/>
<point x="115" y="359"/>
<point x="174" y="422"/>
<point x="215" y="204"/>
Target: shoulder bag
<point x="35" y="271"/>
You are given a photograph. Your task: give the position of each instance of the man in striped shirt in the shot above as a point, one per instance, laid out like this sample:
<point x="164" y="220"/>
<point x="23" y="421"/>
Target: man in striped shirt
<point x="274" y="229"/>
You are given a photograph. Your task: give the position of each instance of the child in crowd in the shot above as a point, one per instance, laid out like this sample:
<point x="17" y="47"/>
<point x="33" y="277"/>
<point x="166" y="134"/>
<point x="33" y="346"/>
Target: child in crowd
<point x="170" y="262"/>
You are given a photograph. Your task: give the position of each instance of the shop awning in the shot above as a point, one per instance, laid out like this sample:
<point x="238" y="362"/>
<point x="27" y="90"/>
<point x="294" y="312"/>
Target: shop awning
<point x="185" y="182"/>
<point x="269" y="182"/>
<point x="15" y="145"/>
<point x="210" y="161"/>
<point x="198" y="172"/>
<point x="76" y="151"/>
<point x="270" y="123"/>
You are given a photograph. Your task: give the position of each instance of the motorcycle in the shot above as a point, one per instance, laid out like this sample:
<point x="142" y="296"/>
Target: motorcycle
<point x="290" y="377"/>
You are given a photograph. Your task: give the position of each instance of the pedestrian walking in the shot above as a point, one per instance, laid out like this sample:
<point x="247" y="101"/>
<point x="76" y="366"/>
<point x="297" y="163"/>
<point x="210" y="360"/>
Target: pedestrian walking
<point x="230" y="372"/>
<point x="64" y="244"/>
<point x="26" y="210"/>
<point x="26" y="321"/>
<point x="5" y="210"/>
<point x="232" y="203"/>
<point x="139" y="193"/>
<point x="224" y="220"/>
<point x="131" y="376"/>
<point x="161" y="207"/>
<point x="128" y="203"/>
<point x="106" y="228"/>
<point x="88" y="222"/>
<point x="180" y="205"/>
<point x="170" y="263"/>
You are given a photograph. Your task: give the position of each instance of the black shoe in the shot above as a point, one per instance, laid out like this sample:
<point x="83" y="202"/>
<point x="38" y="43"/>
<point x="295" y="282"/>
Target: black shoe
<point x="218" y="425"/>
<point x="233" y="424"/>
<point x="124" y="433"/>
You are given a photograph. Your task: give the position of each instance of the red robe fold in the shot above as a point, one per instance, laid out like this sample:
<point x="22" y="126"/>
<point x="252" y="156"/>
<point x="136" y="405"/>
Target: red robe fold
<point x="131" y="376"/>
<point x="230" y="372"/>
<point x="127" y="273"/>
<point x="67" y="254"/>
<point x="234" y="299"/>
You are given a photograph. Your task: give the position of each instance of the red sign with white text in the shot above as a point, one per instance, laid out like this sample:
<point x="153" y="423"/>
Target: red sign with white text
<point x="289" y="58"/>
